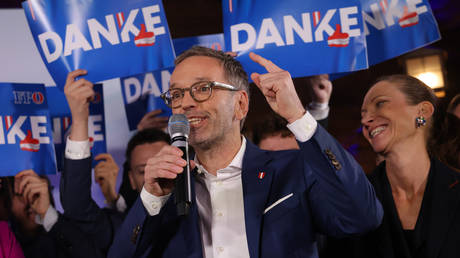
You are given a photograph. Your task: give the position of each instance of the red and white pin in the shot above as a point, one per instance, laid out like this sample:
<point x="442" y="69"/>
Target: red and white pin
<point x="261" y="175"/>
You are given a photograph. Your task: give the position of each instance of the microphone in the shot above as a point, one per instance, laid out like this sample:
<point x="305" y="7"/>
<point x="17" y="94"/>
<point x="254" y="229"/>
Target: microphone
<point x="179" y="129"/>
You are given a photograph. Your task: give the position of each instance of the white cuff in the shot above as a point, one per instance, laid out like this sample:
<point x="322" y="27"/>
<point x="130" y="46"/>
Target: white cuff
<point x="318" y="110"/>
<point x="76" y="150"/>
<point x="121" y="204"/>
<point x="152" y="203"/>
<point x="51" y="217"/>
<point x="304" y="127"/>
<point x="318" y="105"/>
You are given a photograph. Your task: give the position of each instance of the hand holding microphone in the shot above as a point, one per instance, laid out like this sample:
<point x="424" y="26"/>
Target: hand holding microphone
<point x="171" y="163"/>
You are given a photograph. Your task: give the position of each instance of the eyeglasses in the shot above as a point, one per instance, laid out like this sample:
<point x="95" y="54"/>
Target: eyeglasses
<point x="200" y="92"/>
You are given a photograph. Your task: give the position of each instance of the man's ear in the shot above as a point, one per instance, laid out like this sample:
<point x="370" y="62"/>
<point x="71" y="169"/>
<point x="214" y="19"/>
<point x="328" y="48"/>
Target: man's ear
<point x="131" y="180"/>
<point x="242" y="105"/>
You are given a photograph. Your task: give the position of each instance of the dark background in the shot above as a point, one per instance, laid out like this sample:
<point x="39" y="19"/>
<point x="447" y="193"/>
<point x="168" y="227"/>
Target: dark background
<point x="199" y="17"/>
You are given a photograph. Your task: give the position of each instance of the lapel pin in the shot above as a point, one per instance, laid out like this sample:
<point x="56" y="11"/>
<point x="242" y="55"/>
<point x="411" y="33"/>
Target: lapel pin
<point x="261" y="175"/>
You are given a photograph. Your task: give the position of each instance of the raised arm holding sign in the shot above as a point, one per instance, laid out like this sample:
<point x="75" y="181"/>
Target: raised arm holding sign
<point x="75" y="187"/>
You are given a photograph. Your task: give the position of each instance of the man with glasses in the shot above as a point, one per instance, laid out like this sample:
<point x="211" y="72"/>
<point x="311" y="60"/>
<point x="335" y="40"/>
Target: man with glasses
<point x="246" y="201"/>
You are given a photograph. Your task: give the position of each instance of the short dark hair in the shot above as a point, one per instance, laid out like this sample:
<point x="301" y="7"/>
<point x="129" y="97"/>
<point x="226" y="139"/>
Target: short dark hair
<point x="270" y="126"/>
<point x="233" y="70"/>
<point x="149" y="135"/>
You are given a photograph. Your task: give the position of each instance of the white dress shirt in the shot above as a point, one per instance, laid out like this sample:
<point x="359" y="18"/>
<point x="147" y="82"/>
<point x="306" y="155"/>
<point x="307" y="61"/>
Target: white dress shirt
<point x="220" y="207"/>
<point x="220" y="201"/>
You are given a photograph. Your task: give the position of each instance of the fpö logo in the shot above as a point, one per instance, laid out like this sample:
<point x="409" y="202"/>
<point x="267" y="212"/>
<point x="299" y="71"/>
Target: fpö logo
<point x="28" y="97"/>
<point x="117" y="28"/>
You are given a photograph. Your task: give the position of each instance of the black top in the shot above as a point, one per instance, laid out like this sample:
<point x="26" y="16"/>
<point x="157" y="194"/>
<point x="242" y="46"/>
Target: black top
<point x="412" y="244"/>
<point x="437" y="230"/>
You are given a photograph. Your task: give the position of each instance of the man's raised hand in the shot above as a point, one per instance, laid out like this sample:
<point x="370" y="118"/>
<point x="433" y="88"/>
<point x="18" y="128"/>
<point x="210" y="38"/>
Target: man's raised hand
<point x="278" y="89"/>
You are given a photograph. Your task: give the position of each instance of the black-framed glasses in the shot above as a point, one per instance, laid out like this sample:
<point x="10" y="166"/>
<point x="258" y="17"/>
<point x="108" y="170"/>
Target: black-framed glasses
<point x="200" y="92"/>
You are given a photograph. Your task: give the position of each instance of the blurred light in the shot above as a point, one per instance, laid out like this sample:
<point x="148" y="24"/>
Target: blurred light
<point x="427" y="68"/>
<point x="431" y="79"/>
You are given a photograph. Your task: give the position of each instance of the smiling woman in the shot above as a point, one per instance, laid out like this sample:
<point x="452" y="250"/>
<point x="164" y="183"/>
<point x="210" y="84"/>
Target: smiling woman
<point x="394" y="113"/>
<point x="416" y="190"/>
<point x="418" y="193"/>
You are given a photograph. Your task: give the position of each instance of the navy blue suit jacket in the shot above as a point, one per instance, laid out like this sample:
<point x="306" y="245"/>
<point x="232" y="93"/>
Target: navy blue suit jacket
<point x="99" y="225"/>
<point x="330" y="194"/>
<point x="64" y="240"/>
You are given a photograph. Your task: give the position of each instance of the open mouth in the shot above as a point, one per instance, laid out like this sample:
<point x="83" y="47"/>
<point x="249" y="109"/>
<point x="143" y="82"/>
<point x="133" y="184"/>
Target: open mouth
<point x="196" y="121"/>
<point x="377" y="131"/>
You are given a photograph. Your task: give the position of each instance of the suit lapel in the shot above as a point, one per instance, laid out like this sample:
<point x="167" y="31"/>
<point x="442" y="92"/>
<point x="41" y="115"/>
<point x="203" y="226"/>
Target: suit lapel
<point x="256" y="180"/>
<point x="445" y="199"/>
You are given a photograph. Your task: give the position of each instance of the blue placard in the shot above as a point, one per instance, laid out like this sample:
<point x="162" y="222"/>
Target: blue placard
<point x="141" y="94"/>
<point x="109" y="39"/>
<point x="302" y="37"/>
<point x="214" y="41"/>
<point x="26" y="140"/>
<point x="396" y="27"/>
<point x="61" y="122"/>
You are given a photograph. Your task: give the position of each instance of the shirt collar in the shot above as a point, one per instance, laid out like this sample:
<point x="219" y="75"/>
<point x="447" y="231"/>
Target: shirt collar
<point x="237" y="162"/>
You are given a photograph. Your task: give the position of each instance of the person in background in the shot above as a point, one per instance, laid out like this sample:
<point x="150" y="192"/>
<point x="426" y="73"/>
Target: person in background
<point x="420" y="195"/>
<point x="3" y="199"/>
<point x="100" y="224"/>
<point x="143" y="144"/>
<point x="9" y="246"/>
<point x="153" y="120"/>
<point x="39" y="228"/>
<point x="106" y="171"/>
<point x="454" y="106"/>
<point x="447" y="138"/>
<point x="271" y="133"/>
<point x="105" y="175"/>
<point x="320" y="92"/>
<point x="245" y="201"/>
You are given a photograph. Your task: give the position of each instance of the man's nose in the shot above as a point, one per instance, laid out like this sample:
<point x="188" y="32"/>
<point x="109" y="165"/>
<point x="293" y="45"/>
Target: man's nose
<point x="188" y="101"/>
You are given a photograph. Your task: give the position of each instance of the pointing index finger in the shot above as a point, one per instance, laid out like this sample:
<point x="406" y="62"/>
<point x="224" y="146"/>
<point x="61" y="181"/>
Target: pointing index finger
<point x="269" y="65"/>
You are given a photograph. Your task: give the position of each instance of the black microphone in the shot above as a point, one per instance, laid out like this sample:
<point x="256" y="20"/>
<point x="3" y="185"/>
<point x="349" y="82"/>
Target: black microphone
<point x="179" y="129"/>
